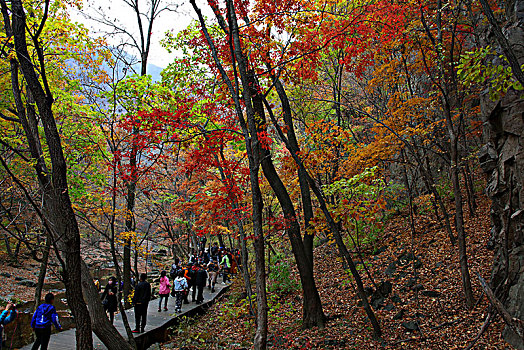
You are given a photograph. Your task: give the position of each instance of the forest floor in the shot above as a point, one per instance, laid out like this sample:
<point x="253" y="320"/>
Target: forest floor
<point x="431" y="298"/>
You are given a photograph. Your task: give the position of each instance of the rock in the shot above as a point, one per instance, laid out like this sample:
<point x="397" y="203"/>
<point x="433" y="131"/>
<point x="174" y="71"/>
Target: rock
<point x="431" y="293"/>
<point x="410" y="282"/>
<point x="389" y="307"/>
<point x="396" y="299"/>
<point x="378" y="297"/>
<point x="488" y="157"/>
<point x="410" y="326"/>
<point x="391" y="269"/>
<point x="380" y="250"/>
<point x="418" y="287"/>
<point x="385" y="288"/>
<point x="399" y="315"/>
<point x="27" y="283"/>
<point x="5" y="274"/>
<point x="404" y="259"/>
<point x="376" y="301"/>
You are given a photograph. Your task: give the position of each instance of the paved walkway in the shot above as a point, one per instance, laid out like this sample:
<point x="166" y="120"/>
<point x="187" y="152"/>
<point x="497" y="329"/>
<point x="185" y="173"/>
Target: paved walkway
<point x="155" y="319"/>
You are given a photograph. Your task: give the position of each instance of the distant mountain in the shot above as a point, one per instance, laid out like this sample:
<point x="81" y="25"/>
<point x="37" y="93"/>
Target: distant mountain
<point x="154" y="71"/>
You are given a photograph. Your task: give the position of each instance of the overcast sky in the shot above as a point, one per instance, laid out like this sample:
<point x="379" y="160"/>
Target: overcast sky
<point x="119" y="12"/>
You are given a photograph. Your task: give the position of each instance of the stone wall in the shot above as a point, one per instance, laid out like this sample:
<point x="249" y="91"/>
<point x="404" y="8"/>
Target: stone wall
<point x="502" y="159"/>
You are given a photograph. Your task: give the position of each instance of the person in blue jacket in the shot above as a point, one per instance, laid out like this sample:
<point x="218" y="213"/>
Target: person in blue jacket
<point x="7" y="316"/>
<point x="44" y="315"/>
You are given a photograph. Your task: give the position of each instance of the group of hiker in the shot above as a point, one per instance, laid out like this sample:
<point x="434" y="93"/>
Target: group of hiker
<point x="202" y="268"/>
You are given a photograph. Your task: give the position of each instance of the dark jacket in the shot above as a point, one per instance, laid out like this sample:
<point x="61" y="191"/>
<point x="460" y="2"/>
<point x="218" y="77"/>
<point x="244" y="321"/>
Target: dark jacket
<point x="44" y="315"/>
<point x="142" y="293"/>
<point x="110" y="301"/>
<point x="201" y="278"/>
<point x="214" y="251"/>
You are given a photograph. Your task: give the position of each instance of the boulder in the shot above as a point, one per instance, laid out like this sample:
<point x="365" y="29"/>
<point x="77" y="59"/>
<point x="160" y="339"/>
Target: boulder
<point x="431" y="293"/>
<point x="410" y="326"/>
<point x="399" y="315"/>
<point x="27" y="283"/>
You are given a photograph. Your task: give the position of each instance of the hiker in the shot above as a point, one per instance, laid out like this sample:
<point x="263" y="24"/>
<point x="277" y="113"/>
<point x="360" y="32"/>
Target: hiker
<point x="193" y="285"/>
<point x="109" y="298"/>
<point x="187" y="275"/>
<point x="7" y="316"/>
<point x="175" y="267"/>
<point x="207" y="256"/>
<point x="163" y="290"/>
<point x="180" y="287"/>
<point x="44" y="315"/>
<point x="200" y="282"/>
<point x="212" y="271"/>
<point x="141" y="300"/>
<point x="203" y="242"/>
<point x="214" y="251"/>
<point x="226" y="265"/>
<point x="234" y="264"/>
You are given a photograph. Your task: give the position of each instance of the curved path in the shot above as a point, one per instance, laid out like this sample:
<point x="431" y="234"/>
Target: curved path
<point x="155" y="321"/>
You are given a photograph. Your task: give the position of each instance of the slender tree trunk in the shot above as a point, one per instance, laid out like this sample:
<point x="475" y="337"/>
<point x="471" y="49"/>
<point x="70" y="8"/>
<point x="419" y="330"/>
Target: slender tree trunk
<point x="242" y="238"/>
<point x="335" y="229"/>
<point x="312" y="313"/>
<point x="459" y="218"/>
<point x="253" y="154"/>
<point x="42" y="272"/>
<point x="8" y="247"/>
<point x="302" y="176"/>
<point x="130" y="227"/>
<point x="470" y="189"/>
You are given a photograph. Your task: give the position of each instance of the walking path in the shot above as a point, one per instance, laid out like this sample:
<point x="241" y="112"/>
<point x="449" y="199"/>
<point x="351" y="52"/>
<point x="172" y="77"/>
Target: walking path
<point x="66" y="339"/>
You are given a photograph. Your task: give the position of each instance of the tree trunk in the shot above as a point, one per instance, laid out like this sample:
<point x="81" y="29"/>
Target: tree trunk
<point x="57" y="204"/>
<point x="459" y="214"/>
<point x="103" y="329"/>
<point x="253" y="154"/>
<point x="130" y="227"/>
<point x="312" y="314"/>
<point x="302" y="176"/>
<point x="42" y="271"/>
<point x="335" y="229"/>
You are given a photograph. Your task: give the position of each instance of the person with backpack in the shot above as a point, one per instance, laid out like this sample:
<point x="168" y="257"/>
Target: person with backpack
<point x="44" y="316"/>
<point x="193" y="284"/>
<point x="214" y="251"/>
<point x="179" y="288"/>
<point x="7" y="316"/>
<point x="175" y="267"/>
<point x="163" y="290"/>
<point x="226" y="266"/>
<point x="141" y="300"/>
<point x="109" y="298"/>
<point x="186" y="271"/>
<point x="212" y="271"/>
<point x="200" y="282"/>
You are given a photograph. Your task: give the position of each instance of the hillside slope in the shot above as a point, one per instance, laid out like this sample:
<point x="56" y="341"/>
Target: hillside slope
<point x="424" y="308"/>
